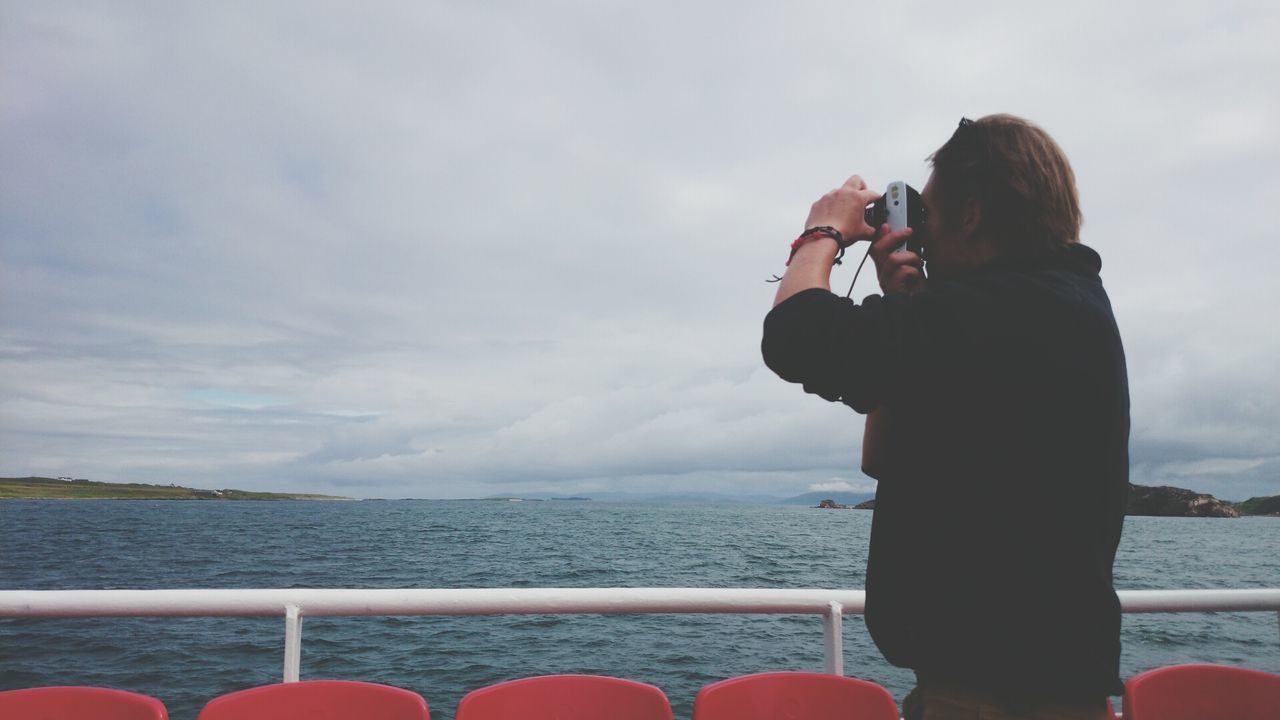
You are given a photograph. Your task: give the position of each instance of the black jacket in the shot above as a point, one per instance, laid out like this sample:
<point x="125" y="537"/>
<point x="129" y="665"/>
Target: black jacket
<point x="998" y="516"/>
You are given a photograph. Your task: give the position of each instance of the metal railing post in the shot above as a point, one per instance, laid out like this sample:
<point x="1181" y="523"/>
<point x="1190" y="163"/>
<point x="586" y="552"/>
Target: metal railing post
<point x="292" y="643"/>
<point x="833" y="638"/>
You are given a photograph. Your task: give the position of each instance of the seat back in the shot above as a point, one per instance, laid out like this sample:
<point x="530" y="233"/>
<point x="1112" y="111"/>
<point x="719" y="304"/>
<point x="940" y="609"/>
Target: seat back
<point x="812" y="696"/>
<point x="1202" y="692"/>
<point x="318" y="700"/>
<point x="79" y="703"/>
<point x="566" y="697"/>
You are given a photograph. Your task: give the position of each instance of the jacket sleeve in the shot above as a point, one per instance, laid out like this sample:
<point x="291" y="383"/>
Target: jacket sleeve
<point x="835" y="348"/>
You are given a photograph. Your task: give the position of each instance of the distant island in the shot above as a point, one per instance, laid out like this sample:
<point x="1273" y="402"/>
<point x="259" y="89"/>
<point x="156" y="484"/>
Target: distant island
<point x="1163" y="501"/>
<point x="42" y="488"/>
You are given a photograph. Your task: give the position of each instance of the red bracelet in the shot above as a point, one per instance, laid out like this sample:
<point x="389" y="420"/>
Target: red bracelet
<point x="814" y="233"/>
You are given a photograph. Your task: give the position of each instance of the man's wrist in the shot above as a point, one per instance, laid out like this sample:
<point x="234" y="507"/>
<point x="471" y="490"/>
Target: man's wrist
<point x="818" y="232"/>
<point x="809" y="267"/>
<point x="816" y="248"/>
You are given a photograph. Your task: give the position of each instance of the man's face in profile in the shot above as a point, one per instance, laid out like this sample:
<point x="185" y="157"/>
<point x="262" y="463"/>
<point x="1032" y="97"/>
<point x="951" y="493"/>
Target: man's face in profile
<point x="952" y="243"/>
<point x="938" y="245"/>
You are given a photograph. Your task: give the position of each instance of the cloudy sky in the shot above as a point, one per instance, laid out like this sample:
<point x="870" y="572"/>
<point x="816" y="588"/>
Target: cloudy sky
<point x="449" y="249"/>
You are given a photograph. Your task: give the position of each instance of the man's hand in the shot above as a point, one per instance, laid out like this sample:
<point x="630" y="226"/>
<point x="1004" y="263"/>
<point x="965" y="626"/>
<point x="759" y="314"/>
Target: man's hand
<point x="900" y="271"/>
<point x="843" y="209"/>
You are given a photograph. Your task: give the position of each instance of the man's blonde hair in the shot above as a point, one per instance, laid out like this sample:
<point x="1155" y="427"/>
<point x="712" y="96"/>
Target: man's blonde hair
<point x="1020" y="178"/>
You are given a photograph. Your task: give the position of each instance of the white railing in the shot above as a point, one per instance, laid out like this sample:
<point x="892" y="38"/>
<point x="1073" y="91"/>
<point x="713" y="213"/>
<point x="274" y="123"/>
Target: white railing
<point x="294" y="604"/>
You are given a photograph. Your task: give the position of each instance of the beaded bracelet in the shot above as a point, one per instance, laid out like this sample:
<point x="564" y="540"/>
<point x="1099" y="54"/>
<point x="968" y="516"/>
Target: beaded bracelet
<point x="819" y="231"/>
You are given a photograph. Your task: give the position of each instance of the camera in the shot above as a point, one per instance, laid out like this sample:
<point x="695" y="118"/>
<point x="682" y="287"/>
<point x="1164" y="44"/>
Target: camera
<point x="900" y="206"/>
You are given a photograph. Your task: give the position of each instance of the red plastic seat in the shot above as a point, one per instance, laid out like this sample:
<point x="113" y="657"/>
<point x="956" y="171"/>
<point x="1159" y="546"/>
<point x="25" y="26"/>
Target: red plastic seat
<point x="812" y="696"/>
<point x="318" y="700"/>
<point x="79" y="703"/>
<point x="566" y="697"/>
<point x="1202" y="692"/>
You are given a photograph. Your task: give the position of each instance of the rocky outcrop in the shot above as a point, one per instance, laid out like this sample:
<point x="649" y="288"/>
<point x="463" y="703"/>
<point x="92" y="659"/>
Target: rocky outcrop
<point x="830" y="504"/>
<point x="866" y="505"/>
<point x="1176" y="502"/>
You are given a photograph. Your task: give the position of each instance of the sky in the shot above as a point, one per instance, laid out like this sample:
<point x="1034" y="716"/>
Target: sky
<point x="458" y="249"/>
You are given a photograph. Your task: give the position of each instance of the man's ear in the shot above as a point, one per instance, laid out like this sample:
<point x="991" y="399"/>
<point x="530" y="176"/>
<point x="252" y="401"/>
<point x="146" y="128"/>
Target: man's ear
<point x="970" y="218"/>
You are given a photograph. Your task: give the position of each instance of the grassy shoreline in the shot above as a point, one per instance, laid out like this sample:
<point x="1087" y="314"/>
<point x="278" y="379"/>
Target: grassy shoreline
<point x="42" y="488"/>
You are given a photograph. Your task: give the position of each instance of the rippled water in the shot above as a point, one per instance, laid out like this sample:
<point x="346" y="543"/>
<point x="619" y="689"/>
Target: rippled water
<point x="141" y="544"/>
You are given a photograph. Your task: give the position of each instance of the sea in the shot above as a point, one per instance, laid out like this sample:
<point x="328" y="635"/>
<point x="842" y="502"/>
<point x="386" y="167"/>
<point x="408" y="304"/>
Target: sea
<point x="48" y="545"/>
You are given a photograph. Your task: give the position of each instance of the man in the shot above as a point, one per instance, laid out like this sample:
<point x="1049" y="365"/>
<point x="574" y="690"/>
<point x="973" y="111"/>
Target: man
<point x="998" y="428"/>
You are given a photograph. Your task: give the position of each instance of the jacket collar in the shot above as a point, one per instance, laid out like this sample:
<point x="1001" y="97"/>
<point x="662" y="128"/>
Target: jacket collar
<point x="1076" y="257"/>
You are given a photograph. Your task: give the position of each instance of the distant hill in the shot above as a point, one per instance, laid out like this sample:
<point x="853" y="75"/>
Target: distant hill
<point x="1166" y="501"/>
<point x="682" y="498"/>
<point x="1260" y="506"/>
<point x="694" y="497"/>
<point x="42" y="488"/>
<point x="533" y="497"/>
